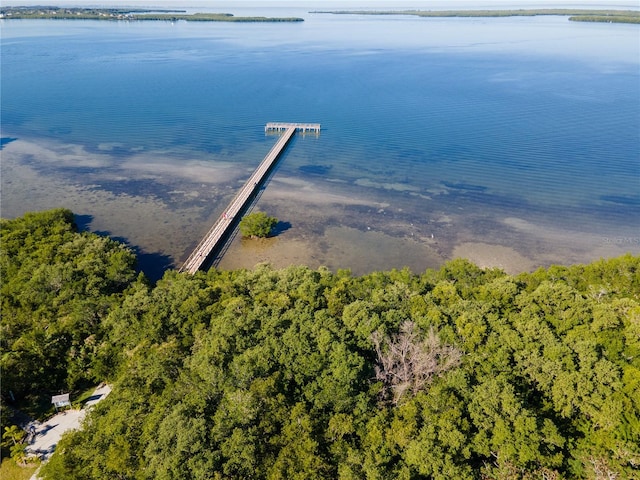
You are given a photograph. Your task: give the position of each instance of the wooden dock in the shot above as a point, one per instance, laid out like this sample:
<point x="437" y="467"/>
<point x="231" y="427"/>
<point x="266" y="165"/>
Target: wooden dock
<point x="303" y="127"/>
<point x="219" y="232"/>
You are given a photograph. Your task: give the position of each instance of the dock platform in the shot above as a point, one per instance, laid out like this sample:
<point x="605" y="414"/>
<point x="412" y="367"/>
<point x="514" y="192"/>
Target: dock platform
<point x="303" y="127"/>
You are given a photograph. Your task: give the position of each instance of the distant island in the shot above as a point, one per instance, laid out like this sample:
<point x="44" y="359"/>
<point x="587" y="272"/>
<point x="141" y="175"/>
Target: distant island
<point x="116" y="14"/>
<point x="577" y="15"/>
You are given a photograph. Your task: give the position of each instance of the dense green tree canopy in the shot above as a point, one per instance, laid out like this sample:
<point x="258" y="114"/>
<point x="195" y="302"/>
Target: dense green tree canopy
<point x="300" y="373"/>
<point x="57" y="285"/>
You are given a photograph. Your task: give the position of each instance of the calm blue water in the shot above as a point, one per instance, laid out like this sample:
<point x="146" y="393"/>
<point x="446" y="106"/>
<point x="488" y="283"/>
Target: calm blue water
<point x="497" y="118"/>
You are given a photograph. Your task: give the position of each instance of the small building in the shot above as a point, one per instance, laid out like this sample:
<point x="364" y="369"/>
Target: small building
<point x="61" y="401"/>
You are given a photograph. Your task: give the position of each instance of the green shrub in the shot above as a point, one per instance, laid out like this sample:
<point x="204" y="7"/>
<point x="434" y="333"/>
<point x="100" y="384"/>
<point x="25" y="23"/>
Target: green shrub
<point x="257" y="224"/>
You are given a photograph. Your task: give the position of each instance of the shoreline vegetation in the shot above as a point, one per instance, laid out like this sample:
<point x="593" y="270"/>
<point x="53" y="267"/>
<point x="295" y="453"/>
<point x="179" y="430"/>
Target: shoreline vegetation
<point x="459" y="372"/>
<point x="119" y="14"/>
<point x="576" y="15"/>
<point x="114" y="14"/>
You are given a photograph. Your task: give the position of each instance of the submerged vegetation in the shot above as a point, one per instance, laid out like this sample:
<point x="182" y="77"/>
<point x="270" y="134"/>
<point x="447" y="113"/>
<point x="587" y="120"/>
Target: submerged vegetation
<point x="578" y="15"/>
<point x="56" y="13"/>
<point x="299" y="373"/>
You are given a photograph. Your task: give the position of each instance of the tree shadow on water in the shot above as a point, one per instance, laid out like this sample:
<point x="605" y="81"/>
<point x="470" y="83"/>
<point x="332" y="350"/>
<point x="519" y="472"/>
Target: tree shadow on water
<point x="280" y="228"/>
<point x="83" y="222"/>
<point x="6" y="141"/>
<point x="152" y="264"/>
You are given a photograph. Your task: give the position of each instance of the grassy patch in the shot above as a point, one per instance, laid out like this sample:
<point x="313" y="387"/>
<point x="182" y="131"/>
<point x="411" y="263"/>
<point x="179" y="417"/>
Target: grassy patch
<point x="9" y="470"/>
<point x="81" y="397"/>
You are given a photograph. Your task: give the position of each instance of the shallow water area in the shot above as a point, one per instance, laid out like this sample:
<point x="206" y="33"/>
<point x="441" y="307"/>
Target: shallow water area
<point x="509" y="141"/>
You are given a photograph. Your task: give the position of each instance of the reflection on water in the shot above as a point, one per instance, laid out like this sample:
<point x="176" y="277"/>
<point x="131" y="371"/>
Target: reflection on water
<point x="436" y="135"/>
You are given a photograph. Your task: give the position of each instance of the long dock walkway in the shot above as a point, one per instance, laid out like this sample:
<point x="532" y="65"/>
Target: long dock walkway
<point x="218" y="233"/>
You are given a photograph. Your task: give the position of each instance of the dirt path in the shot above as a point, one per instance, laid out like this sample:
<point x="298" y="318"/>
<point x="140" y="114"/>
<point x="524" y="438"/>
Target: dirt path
<point x="45" y="436"/>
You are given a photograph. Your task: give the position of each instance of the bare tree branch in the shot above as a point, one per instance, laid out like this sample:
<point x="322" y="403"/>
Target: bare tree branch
<point x="407" y="363"/>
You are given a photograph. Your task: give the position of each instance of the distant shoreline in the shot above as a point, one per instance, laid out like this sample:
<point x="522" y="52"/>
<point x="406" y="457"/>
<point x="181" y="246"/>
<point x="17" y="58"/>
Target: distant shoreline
<point x="576" y="15"/>
<point x="120" y="14"/>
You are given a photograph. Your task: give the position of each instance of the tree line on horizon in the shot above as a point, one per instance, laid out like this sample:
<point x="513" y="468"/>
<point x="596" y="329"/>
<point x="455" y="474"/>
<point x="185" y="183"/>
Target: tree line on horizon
<point x="127" y="14"/>
<point x="460" y="372"/>
<point x="573" y="14"/>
